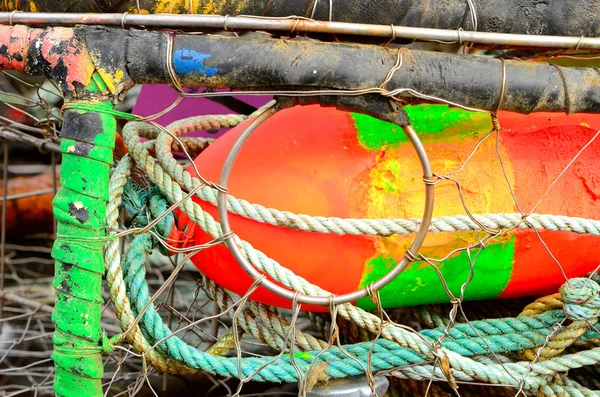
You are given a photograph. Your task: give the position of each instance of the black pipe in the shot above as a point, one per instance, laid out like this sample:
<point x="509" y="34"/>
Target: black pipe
<point x="268" y="64"/>
<point x="273" y="64"/>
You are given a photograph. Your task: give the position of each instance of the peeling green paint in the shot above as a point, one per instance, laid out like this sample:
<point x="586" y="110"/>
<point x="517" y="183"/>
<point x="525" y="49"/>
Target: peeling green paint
<point x="91" y="151"/>
<point x="76" y="168"/>
<point x="420" y="283"/>
<point x="375" y="134"/>
<point x="431" y="122"/>
<point x="442" y="121"/>
<point x="80" y="209"/>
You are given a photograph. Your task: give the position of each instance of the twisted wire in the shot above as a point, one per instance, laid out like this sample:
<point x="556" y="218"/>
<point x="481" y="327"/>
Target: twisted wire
<point x="274" y="328"/>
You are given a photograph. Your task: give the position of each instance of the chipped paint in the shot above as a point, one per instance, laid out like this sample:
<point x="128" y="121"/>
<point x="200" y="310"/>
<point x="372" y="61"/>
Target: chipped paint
<point x="109" y="78"/>
<point x="170" y="6"/>
<point x="59" y="54"/>
<point x="189" y="61"/>
<point x="80" y="209"/>
<point x="68" y="58"/>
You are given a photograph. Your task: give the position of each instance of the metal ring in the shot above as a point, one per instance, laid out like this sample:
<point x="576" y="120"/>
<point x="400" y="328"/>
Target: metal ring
<point x="225" y="22"/>
<point x="123" y="19"/>
<point x="12" y="14"/>
<point x="309" y="299"/>
<point x="579" y="43"/>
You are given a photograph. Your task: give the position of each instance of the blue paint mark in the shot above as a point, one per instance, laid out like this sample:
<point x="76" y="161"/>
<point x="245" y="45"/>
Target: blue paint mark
<point x="189" y="61"/>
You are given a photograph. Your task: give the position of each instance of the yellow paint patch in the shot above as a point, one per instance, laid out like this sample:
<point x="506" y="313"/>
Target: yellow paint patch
<point x="397" y="189"/>
<point x="220" y="7"/>
<point x="134" y="10"/>
<point x="110" y="79"/>
<point x="32" y="7"/>
<point x="436" y="245"/>
<point x="170" y="6"/>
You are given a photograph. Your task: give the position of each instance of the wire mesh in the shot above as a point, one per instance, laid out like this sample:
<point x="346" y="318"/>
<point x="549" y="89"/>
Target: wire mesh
<point x="207" y="317"/>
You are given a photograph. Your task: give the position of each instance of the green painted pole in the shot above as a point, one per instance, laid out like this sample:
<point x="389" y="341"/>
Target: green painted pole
<point x="87" y="143"/>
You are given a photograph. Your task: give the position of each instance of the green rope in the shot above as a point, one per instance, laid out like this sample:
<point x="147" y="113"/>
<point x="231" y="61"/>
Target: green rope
<point x="386" y="354"/>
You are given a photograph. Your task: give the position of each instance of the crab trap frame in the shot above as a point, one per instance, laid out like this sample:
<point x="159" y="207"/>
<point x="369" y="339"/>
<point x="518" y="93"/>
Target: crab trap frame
<point x="374" y="58"/>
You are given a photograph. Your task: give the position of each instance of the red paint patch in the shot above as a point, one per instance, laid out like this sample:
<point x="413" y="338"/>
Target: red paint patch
<point x="547" y="152"/>
<point x="15" y="40"/>
<point x="279" y="168"/>
<point x="59" y="45"/>
<point x="537" y="273"/>
<point x="534" y="121"/>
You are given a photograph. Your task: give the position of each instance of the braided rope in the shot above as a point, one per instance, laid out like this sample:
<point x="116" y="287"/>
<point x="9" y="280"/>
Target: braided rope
<point x="339" y="363"/>
<point x="543" y="304"/>
<point x="274" y="329"/>
<point x="114" y="277"/>
<point x="581" y="304"/>
<point x="550" y="320"/>
<point x="224" y="344"/>
<point x="320" y="224"/>
<point x="509" y="334"/>
<point x="540" y="375"/>
<point x="174" y="192"/>
<point x="136" y="199"/>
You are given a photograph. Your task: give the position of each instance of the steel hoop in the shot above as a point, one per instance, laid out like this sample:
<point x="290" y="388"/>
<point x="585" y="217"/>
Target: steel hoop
<point x="326" y="299"/>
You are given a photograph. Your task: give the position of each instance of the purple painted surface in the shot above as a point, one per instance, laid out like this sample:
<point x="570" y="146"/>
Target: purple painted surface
<point x="154" y="98"/>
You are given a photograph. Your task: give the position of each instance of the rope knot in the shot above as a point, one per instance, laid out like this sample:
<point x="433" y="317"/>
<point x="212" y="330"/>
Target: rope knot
<point x="108" y="344"/>
<point x="581" y="299"/>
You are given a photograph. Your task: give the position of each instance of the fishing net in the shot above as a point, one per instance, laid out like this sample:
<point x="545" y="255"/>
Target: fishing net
<point x="170" y="329"/>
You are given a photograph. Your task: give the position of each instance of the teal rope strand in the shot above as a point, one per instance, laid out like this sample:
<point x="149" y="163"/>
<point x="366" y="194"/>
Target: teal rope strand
<point x="282" y="371"/>
<point x="502" y="335"/>
<point x="387" y="354"/>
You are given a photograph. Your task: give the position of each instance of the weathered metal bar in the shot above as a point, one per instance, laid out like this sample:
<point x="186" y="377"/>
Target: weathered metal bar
<point x="40" y="144"/>
<point x="547" y="17"/>
<point x="80" y="209"/>
<point x="301" y="25"/>
<point x="302" y="68"/>
<point x="87" y="143"/>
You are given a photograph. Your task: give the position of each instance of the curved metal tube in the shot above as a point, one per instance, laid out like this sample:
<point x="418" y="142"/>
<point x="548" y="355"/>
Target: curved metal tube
<point x="332" y="299"/>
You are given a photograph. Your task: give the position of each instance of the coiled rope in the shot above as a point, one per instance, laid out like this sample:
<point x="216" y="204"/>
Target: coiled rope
<point x="503" y="335"/>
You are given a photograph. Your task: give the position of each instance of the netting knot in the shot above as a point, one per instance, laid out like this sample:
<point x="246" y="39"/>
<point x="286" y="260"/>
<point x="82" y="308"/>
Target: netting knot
<point x="581" y="299"/>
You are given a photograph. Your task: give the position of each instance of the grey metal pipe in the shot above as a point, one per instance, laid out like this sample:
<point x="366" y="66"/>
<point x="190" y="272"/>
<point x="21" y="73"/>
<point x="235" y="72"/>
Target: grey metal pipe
<point x="296" y="24"/>
<point x="541" y="17"/>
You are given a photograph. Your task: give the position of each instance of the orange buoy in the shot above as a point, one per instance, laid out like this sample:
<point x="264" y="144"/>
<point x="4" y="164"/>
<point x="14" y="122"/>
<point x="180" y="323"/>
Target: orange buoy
<point x="325" y="162"/>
